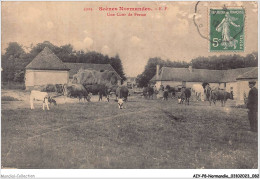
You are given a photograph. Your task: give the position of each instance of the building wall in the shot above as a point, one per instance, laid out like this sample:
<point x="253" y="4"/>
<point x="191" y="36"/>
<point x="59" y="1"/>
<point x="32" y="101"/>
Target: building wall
<point x="170" y="83"/>
<point x="187" y="84"/>
<point x="242" y="90"/>
<point x="232" y="86"/>
<point x="44" y="77"/>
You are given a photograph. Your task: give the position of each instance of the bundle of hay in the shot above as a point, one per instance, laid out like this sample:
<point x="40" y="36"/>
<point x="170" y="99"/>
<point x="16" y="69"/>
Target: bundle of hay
<point x="90" y="77"/>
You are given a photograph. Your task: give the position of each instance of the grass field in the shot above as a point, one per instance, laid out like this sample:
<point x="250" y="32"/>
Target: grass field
<point x="148" y="134"/>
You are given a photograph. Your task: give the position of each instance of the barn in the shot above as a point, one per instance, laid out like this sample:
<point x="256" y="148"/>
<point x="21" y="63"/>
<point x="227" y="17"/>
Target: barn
<point x="45" y="68"/>
<point x="223" y="79"/>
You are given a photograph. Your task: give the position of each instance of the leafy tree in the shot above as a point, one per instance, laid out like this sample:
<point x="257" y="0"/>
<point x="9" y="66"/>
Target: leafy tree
<point x="225" y="62"/>
<point x="117" y="65"/>
<point x="150" y="69"/>
<point x="40" y="46"/>
<point x="14" y="49"/>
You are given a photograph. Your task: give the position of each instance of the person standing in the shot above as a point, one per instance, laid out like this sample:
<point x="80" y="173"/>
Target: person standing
<point x="252" y="105"/>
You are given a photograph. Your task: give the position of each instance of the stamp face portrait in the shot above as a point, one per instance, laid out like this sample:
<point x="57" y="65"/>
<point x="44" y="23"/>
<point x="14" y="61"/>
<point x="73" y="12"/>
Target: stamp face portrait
<point x="227" y="29"/>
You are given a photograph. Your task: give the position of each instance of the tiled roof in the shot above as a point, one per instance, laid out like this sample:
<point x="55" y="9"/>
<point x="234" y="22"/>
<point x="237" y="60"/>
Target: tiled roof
<point x="200" y="75"/>
<point x="74" y="67"/>
<point x="252" y="74"/>
<point x="46" y="60"/>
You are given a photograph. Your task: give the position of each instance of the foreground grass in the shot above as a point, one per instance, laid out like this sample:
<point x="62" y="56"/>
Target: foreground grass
<point x="148" y="134"/>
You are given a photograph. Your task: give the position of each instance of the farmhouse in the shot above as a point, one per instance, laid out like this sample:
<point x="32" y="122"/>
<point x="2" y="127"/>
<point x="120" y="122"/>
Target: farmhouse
<point x="47" y="68"/>
<point x="235" y="80"/>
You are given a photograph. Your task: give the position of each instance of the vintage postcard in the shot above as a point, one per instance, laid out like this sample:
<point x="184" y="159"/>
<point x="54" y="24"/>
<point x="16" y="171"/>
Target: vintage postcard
<point x="130" y="85"/>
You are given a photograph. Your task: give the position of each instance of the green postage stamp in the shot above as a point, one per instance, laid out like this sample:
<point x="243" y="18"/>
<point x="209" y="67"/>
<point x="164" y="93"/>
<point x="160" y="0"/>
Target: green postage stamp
<point x="227" y="30"/>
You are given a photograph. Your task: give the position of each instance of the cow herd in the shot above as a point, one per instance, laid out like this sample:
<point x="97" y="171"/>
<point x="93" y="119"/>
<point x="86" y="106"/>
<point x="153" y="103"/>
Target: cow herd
<point x="85" y="92"/>
<point x="211" y="94"/>
<point x="164" y="93"/>
<point x="82" y="92"/>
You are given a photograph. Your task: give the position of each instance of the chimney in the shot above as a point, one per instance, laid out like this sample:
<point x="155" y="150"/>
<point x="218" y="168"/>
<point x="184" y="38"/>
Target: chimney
<point x="190" y="68"/>
<point x="157" y="72"/>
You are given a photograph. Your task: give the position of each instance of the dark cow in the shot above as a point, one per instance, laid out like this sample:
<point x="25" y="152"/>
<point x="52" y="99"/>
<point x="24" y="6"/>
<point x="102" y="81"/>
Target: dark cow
<point x="103" y="91"/>
<point x="112" y="89"/>
<point x="148" y="92"/>
<point x="220" y="95"/>
<point x="99" y="89"/>
<point x="122" y="93"/>
<point x="165" y="95"/>
<point x="185" y="95"/>
<point x="76" y="91"/>
<point x="171" y="90"/>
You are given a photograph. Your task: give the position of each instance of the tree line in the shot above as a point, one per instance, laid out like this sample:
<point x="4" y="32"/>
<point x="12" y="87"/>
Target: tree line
<point x="222" y="62"/>
<point x="15" y="59"/>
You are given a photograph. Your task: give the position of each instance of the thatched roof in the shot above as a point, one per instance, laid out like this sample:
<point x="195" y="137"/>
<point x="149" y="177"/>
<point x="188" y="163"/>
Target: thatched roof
<point x="75" y="67"/>
<point x="46" y="60"/>
<point x="200" y="75"/>
<point x="252" y="74"/>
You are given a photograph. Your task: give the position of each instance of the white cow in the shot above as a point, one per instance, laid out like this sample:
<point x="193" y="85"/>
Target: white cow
<point x="40" y="96"/>
<point x="198" y="90"/>
<point x="120" y="103"/>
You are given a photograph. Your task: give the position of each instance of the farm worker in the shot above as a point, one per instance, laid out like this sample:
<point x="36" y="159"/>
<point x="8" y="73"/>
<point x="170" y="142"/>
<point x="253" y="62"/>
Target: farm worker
<point x="252" y="106"/>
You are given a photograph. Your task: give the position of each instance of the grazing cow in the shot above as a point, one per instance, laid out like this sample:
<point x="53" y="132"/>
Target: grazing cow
<point x="41" y="96"/>
<point x="182" y="96"/>
<point x="120" y="103"/>
<point x="165" y="95"/>
<point x="185" y="95"/>
<point x="221" y="95"/>
<point x="148" y="92"/>
<point x="103" y="91"/>
<point x="100" y="89"/>
<point x="122" y="92"/>
<point x="171" y="90"/>
<point x="77" y="91"/>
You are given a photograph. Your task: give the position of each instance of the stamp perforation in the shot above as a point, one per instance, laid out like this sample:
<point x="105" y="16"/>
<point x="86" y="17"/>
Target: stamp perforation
<point x="244" y="28"/>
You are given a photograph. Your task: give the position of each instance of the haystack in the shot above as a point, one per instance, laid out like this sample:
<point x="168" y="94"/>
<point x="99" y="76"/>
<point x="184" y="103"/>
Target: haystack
<point x="90" y="77"/>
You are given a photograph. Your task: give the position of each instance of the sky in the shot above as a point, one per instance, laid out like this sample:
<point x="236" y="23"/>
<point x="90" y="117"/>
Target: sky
<point x="168" y="33"/>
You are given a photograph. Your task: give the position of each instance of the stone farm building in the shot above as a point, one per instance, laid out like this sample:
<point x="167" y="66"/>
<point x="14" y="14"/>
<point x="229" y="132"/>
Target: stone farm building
<point x="47" y="68"/>
<point x="235" y="80"/>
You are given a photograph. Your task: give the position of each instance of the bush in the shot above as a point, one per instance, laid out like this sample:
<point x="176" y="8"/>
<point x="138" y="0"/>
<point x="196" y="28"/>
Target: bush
<point x="49" y="88"/>
<point x="9" y="98"/>
<point x="12" y="85"/>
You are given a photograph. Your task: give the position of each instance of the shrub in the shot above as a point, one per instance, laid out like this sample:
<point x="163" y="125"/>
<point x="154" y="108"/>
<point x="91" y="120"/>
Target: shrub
<point x="49" y="88"/>
<point x="9" y="98"/>
<point x="13" y="85"/>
